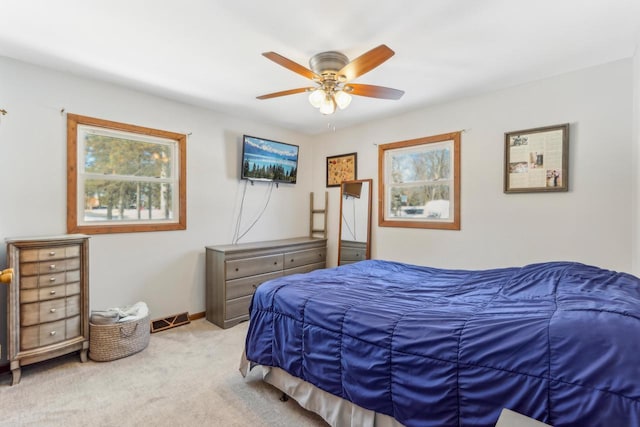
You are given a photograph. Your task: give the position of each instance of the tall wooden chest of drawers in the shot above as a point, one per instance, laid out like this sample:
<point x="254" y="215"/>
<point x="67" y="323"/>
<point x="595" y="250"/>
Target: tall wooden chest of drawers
<point x="233" y="272"/>
<point x="48" y="299"/>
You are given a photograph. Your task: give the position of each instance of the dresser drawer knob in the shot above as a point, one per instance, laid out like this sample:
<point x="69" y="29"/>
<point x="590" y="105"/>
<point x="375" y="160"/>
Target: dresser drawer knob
<point x="52" y="279"/>
<point x="275" y="262"/>
<point x="52" y="267"/>
<point x="53" y="292"/>
<point x="291" y="259"/>
<point x="53" y="310"/>
<point x="52" y="333"/>
<point x="237" y="269"/>
<point x="52" y="253"/>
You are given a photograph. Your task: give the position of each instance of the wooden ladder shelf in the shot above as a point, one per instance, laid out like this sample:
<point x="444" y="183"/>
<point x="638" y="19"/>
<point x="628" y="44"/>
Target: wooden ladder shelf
<point x="314" y="232"/>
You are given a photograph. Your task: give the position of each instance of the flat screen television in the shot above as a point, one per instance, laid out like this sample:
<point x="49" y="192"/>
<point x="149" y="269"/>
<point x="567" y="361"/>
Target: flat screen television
<point x="267" y="160"/>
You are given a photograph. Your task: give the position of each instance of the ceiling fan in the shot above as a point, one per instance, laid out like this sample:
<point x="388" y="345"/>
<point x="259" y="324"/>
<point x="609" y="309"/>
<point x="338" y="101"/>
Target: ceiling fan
<point x="332" y="72"/>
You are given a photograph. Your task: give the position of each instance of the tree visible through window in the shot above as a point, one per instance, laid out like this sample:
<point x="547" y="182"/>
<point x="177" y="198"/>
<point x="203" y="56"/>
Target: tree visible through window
<point x="124" y="178"/>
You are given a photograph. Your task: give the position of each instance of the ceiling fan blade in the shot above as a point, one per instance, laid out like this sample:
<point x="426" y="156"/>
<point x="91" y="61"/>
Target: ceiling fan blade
<point x="284" y="93"/>
<point x="374" y="91"/>
<point x="293" y="66"/>
<point x="366" y="62"/>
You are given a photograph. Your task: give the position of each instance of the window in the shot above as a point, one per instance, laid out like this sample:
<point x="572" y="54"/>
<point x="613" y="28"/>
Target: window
<point x="123" y="178"/>
<point x="420" y="183"/>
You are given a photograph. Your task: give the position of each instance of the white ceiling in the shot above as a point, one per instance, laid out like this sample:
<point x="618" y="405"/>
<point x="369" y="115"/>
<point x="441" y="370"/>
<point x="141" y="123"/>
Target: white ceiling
<point x="208" y="52"/>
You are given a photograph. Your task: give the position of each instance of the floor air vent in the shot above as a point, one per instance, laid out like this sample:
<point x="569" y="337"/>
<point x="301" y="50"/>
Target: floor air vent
<point x="169" y="322"/>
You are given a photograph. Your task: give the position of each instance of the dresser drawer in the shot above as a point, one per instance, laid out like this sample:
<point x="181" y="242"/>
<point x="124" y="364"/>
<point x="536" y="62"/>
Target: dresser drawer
<point x="49" y="267"/>
<point x="237" y="307"/>
<point x="29" y="282"/>
<point x="247" y="285"/>
<point x="42" y="294"/>
<point x="252" y="266"/>
<point x="45" y="334"/>
<point x="46" y="311"/>
<point x="49" y="311"/>
<point x="51" y="253"/>
<point x="49" y="292"/>
<point x="352" y="254"/>
<point x="304" y="268"/>
<point x="308" y="256"/>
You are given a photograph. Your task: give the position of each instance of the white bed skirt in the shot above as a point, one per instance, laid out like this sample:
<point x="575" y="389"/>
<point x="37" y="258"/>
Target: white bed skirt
<point x="334" y="410"/>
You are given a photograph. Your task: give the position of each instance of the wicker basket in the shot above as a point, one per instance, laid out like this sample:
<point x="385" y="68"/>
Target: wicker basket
<point x="118" y="340"/>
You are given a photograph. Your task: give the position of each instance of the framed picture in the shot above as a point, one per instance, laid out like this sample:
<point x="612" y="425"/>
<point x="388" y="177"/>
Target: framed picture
<point x="537" y="160"/>
<point x="341" y="168"/>
<point x="420" y="183"/>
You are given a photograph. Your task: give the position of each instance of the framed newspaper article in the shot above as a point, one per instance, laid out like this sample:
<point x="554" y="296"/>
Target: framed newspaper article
<point x="537" y="160"/>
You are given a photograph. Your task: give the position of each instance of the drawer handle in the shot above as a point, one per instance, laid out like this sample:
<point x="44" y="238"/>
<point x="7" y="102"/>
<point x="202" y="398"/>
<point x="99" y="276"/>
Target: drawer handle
<point x="52" y="279"/>
<point x="52" y="333"/>
<point x="52" y="267"/>
<point x="52" y="253"/>
<point x="275" y="262"/>
<point x="53" y="310"/>
<point x="291" y="259"/>
<point x="237" y="269"/>
<point x="52" y="292"/>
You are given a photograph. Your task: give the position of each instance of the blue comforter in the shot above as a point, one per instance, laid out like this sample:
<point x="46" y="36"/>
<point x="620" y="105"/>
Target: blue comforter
<point x="559" y="342"/>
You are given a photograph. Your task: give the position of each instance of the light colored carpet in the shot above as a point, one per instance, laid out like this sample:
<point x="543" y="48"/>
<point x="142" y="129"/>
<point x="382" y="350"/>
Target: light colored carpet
<point x="187" y="376"/>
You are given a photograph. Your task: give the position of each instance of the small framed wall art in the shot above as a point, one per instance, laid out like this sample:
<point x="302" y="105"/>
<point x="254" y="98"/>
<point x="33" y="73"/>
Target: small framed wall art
<point x="341" y="168"/>
<point x="537" y="160"/>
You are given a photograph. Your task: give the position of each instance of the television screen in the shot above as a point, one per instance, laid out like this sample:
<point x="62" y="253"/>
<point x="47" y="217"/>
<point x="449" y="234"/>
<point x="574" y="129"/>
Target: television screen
<point x="266" y="160"/>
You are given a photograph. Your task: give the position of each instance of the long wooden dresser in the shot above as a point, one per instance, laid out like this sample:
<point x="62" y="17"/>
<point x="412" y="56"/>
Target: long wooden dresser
<point x="233" y="272"/>
<point x="48" y="299"/>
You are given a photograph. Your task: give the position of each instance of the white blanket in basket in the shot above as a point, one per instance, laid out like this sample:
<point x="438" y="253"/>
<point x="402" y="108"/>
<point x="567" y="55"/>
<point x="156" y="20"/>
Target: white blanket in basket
<point x="136" y="311"/>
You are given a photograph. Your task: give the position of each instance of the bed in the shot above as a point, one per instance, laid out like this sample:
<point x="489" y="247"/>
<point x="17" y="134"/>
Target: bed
<point x="420" y="346"/>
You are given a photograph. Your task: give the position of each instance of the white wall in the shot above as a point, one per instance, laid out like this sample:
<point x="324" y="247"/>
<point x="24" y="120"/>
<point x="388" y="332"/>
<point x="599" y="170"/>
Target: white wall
<point x="164" y="269"/>
<point x="591" y="223"/>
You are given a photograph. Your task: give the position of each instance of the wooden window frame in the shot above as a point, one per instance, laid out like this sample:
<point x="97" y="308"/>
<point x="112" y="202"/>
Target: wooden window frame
<point x="73" y="157"/>
<point x="454" y="137"/>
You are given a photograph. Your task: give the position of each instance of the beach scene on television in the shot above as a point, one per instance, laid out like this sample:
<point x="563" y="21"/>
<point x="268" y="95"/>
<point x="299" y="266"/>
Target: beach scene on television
<point x="269" y="160"/>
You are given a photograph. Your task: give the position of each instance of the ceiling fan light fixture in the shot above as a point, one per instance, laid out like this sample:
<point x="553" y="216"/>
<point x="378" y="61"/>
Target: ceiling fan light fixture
<point x="316" y="97"/>
<point x="343" y="99"/>
<point x="328" y="105"/>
